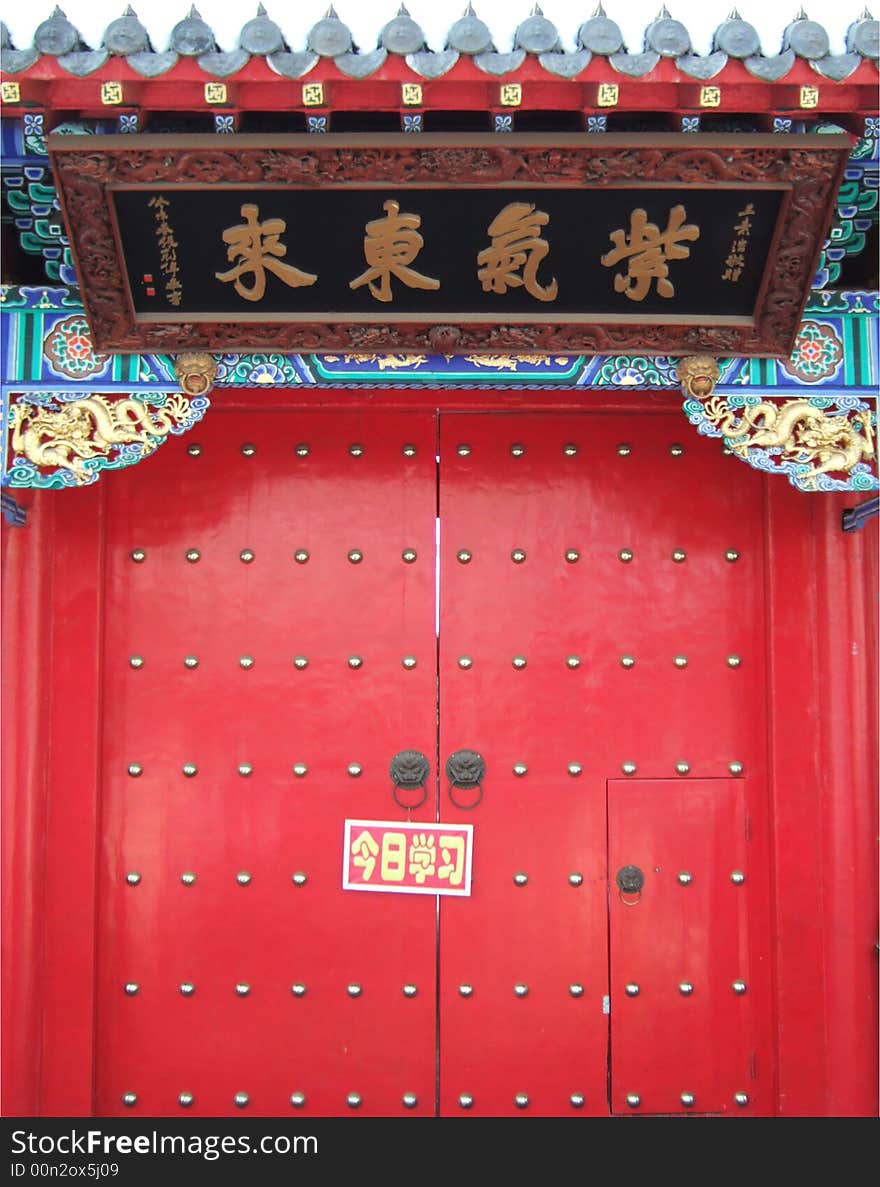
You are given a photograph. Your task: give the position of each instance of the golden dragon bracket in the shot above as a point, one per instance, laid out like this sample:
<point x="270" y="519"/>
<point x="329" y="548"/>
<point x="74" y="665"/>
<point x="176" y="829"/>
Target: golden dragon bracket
<point x="56" y="442"/>
<point x="820" y="443"/>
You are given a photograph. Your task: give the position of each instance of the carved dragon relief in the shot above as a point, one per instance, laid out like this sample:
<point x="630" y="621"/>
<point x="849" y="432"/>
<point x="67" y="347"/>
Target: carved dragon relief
<point x="816" y="446"/>
<point x="83" y="436"/>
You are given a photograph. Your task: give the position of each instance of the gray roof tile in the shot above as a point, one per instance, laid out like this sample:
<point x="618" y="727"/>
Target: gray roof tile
<point x="863" y="37"/>
<point x="470" y="35"/>
<point x="770" y="69"/>
<point x="807" y="38"/>
<point x="290" y="65"/>
<point x="837" y="67"/>
<point x="737" y="38"/>
<point x="402" y="35"/>
<point x="191" y="37"/>
<point x="126" y="35"/>
<point x="83" y="62"/>
<point x="261" y="35"/>
<point x="537" y="35"/>
<point x="223" y="65"/>
<point x="330" y="37"/>
<point x="702" y="67"/>
<point x="665" y="37"/>
<point x="57" y="36"/>
<point x="600" y="35"/>
<point x="361" y="65"/>
<point x="431" y="65"/>
<point x="635" y="65"/>
<point x="566" y="65"/>
<point x="151" y="65"/>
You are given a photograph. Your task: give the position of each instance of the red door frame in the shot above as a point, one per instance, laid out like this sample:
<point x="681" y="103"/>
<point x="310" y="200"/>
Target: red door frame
<point x="822" y="652"/>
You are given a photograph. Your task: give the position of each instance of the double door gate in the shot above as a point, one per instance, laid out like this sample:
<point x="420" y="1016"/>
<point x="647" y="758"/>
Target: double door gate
<point x="297" y="597"/>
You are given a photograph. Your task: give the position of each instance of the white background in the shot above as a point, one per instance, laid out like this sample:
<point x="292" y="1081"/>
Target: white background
<point x="366" y="17"/>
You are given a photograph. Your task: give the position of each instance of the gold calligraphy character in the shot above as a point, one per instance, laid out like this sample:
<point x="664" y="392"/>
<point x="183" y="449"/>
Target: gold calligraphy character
<point x="452" y="852"/>
<point x="516" y="245"/>
<point x="390" y="244"/>
<point x="648" y="249"/>
<point x="422" y="857"/>
<point x="365" y="849"/>
<point x="393" y="868"/>
<point x="255" y="244"/>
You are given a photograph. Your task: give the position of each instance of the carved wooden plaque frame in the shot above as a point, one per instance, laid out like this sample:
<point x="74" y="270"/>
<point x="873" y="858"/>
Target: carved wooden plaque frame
<point x="804" y="173"/>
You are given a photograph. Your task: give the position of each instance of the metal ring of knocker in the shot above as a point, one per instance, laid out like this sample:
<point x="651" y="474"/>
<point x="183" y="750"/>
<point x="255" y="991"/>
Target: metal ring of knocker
<point x="630" y="881"/>
<point x="409" y="770"/>
<point x="465" y="769"/>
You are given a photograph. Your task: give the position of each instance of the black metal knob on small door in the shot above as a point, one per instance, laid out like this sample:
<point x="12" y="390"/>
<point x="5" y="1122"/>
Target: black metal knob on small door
<point x="465" y="770"/>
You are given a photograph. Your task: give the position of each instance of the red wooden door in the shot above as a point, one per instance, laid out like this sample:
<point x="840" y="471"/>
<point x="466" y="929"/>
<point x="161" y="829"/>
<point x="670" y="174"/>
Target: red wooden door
<point x="601" y="616"/>
<point x="270" y="645"/>
<point x="685" y="1033"/>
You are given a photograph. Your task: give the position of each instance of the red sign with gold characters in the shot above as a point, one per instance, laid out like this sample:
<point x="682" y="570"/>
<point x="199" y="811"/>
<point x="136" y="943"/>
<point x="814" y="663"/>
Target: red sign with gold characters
<point x="420" y="858"/>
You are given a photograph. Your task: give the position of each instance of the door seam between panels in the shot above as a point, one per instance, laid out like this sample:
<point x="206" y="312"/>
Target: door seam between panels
<point x="438" y="901"/>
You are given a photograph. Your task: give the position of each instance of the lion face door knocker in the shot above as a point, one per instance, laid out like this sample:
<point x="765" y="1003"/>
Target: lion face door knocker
<point x="630" y="881"/>
<point x="409" y="773"/>
<point x="465" y="770"/>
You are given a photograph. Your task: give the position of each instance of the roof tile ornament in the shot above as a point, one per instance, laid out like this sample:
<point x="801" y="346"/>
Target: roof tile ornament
<point x="292" y="65"/>
<point x="500" y="64"/>
<point x="191" y="37"/>
<point x="432" y="65"/>
<point x="537" y="35"/>
<point x="566" y="65"/>
<point x="600" y="35"/>
<point x="808" y="39"/>
<point x="837" y="67"/>
<point x="361" y="65"/>
<point x="261" y="35"/>
<point x="83" y="62"/>
<point x="635" y="65"/>
<point x="697" y="66"/>
<point x="863" y="37"/>
<point x="12" y="60"/>
<point x="57" y="36"/>
<point x="224" y="65"/>
<point x="152" y="65"/>
<point x="330" y="38"/>
<point x="770" y="69"/>
<point x="737" y="38"/>
<point x="470" y="35"/>
<point x="126" y="35"/>
<point x="402" y="35"/>
<point x="667" y="37"/>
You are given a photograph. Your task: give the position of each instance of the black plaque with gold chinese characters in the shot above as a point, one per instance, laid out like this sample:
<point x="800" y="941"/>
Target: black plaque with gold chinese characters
<point x="661" y="244"/>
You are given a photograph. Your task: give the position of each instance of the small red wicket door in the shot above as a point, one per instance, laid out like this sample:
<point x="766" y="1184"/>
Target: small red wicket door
<point x="687" y="983"/>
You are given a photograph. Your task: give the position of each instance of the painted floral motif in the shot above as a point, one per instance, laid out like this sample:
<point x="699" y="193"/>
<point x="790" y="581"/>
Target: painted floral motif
<point x="263" y="370"/>
<point x="817" y="353"/>
<point x="69" y="350"/>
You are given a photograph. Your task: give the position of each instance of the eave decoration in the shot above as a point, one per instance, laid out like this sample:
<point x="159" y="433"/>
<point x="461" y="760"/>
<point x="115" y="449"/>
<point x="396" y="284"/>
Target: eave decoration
<point x="821" y="443"/>
<point x="650" y="244"/>
<point x="59" y="440"/>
